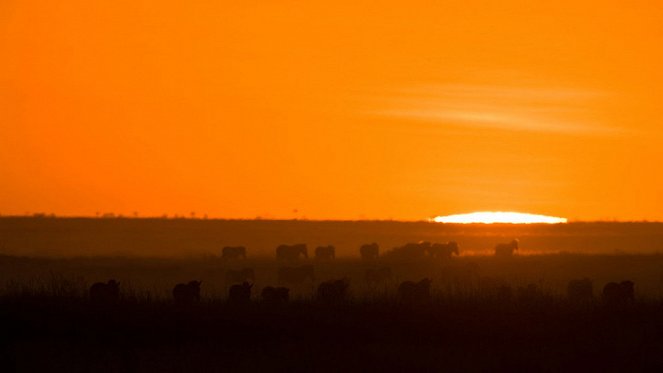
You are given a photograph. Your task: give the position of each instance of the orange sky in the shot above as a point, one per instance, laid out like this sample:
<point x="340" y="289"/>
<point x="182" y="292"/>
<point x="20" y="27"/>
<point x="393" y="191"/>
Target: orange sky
<point x="347" y="110"/>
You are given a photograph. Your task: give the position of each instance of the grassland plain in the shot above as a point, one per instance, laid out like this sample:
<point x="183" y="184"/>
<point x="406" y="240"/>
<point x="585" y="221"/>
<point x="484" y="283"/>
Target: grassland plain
<point x="50" y="237"/>
<point x="49" y="323"/>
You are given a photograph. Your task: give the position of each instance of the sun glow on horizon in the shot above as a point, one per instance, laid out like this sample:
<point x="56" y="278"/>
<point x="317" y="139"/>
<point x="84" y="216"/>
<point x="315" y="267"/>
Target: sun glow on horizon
<point x="491" y="217"/>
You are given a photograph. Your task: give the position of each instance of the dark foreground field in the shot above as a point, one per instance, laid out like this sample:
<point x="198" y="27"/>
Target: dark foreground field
<point x="49" y="324"/>
<point x="69" y="334"/>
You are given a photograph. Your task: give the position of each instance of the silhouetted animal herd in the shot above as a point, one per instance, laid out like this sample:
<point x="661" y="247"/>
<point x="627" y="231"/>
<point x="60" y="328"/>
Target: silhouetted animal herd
<point x="336" y="291"/>
<point x="372" y="251"/>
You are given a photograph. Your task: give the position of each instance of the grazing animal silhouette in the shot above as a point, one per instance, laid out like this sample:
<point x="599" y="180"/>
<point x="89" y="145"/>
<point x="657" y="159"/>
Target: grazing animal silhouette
<point x="444" y="250"/>
<point x="240" y="293"/>
<point x="239" y="276"/>
<point x="504" y="293"/>
<point x="369" y="251"/>
<point x="529" y="293"/>
<point x="378" y="275"/>
<point x="275" y="295"/>
<point x="296" y="275"/>
<point x="333" y="291"/>
<point x="105" y="292"/>
<point x="233" y="252"/>
<point x="619" y="294"/>
<point x="580" y="290"/>
<point x="187" y="293"/>
<point x="410" y="250"/>
<point x="506" y="249"/>
<point x="291" y="252"/>
<point x="415" y="292"/>
<point x="325" y="252"/>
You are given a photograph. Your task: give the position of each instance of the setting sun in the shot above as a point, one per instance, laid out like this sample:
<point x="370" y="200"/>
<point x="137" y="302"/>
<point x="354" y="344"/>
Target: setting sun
<point x="490" y="217"/>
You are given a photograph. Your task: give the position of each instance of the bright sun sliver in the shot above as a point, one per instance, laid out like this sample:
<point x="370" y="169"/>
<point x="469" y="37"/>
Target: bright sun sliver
<point x="490" y="217"/>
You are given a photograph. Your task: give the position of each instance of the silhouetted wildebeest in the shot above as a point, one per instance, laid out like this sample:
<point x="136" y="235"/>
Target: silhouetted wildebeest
<point x="506" y="249"/>
<point x="296" y="275"/>
<point x="240" y="275"/>
<point x="275" y="295"/>
<point x="333" y="291"/>
<point x="105" y="292"/>
<point x="240" y="293"/>
<point x="291" y="252"/>
<point x="325" y="252"/>
<point x="415" y="292"/>
<point x="580" y="290"/>
<point x="529" y="293"/>
<point x="378" y="275"/>
<point x="410" y="251"/>
<point x="504" y="293"/>
<point x="233" y="252"/>
<point x="443" y="250"/>
<point x="187" y="293"/>
<point x="619" y="293"/>
<point x="369" y="251"/>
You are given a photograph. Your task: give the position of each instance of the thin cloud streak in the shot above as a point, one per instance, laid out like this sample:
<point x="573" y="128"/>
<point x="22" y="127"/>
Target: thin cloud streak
<point x="545" y="110"/>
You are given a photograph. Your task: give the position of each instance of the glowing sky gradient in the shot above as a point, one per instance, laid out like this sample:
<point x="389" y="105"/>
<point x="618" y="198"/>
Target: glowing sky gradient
<point x="332" y="110"/>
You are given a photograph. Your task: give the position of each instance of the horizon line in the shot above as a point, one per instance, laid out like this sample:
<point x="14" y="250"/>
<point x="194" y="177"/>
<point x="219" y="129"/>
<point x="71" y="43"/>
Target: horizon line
<point x="207" y="218"/>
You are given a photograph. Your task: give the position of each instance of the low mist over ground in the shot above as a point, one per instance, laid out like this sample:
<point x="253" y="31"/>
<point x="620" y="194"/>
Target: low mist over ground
<point x="193" y="237"/>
